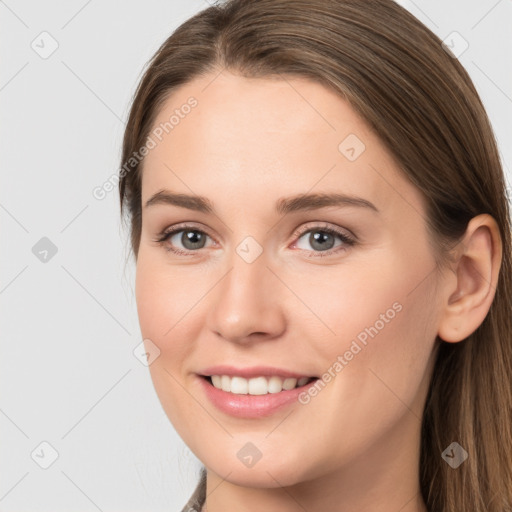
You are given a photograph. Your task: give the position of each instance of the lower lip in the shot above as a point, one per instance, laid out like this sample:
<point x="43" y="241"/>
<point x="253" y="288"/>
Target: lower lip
<point x="251" y="406"/>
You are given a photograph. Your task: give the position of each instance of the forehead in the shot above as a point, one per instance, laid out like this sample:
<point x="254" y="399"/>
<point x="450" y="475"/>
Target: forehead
<point x="255" y="111"/>
<point x="263" y="136"/>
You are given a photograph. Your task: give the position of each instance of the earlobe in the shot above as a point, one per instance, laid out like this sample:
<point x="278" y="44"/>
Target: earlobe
<point x="476" y="270"/>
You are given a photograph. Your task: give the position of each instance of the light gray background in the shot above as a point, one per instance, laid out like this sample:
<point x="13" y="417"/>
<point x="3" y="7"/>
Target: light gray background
<point x="68" y="374"/>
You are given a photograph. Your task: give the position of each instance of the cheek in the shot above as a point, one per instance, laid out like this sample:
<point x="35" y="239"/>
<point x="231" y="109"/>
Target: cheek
<point x="359" y="301"/>
<point x="171" y="305"/>
<point x="163" y="319"/>
<point x="382" y="329"/>
<point x="377" y="362"/>
<point x="160" y="306"/>
<point x="163" y="296"/>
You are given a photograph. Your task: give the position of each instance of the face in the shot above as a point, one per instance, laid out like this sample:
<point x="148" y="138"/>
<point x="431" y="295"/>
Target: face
<point x="262" y="290"/>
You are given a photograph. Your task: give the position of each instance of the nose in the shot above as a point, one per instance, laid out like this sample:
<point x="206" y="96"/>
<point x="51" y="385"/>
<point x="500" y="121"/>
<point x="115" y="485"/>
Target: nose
<point x="248" y="305"/>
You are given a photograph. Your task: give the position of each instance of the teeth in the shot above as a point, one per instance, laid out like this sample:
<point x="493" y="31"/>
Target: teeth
<point x="225" y="383"/>
<point x="239" y="386"/>
<point x="302" y="381"/>
<point x="275" y="385"/>
<point x="256" y="385"/>
<point x="289" y="384"/>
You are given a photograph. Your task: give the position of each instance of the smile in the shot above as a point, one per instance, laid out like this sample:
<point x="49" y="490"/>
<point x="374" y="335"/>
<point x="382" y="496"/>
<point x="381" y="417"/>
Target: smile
<point x="253" y="392"/>
<point x="257" y="385"/>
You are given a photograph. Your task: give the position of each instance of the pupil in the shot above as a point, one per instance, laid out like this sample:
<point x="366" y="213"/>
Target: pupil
<point x="320" y="238"/>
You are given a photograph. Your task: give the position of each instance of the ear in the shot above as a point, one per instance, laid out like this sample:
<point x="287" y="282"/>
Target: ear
<point x="470" y="292"/>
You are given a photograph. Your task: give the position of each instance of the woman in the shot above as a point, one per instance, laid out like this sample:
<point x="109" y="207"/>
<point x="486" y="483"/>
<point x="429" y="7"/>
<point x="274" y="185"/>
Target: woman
<point x="322" y="236"/>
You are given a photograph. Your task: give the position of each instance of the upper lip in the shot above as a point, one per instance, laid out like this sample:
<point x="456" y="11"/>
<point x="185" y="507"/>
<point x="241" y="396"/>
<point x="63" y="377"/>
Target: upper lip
<point x="252" y="371"/>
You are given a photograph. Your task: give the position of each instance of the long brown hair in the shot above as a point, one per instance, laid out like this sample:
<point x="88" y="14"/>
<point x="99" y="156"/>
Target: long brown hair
<point x="424" y="107"/>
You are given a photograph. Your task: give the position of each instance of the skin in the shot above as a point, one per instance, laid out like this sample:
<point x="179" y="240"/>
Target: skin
<point x="354" y="446"/>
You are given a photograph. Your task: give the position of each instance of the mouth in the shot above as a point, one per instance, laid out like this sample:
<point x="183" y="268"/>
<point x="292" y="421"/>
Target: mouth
<point x="256" y="386"/>
<point x="256" y="396"/>
<point x="253" y="392"/>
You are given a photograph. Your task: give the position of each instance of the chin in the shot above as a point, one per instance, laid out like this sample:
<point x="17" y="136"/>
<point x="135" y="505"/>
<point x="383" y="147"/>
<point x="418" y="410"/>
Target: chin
<point x="272" y="473"/>
<point x="261" y="479"/>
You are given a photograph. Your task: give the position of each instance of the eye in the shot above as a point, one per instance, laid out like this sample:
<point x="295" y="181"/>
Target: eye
<point x="323" y="239"/>
<point x="191" y="239"/>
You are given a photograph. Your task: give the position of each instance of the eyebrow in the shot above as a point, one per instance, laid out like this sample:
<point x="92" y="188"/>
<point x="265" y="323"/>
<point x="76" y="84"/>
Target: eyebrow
<point x="284" y="205"/>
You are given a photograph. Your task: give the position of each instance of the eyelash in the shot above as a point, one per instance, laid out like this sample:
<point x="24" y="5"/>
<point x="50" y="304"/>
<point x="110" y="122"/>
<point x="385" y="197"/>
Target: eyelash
<point x="164" y="236"/>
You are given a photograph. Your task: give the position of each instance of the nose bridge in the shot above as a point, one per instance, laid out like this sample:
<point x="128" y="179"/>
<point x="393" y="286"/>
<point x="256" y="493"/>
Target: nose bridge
<point x="246" y="299"/>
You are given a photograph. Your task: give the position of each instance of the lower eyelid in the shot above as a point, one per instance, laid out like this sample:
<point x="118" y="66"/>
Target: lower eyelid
<point x="333" y="251"/>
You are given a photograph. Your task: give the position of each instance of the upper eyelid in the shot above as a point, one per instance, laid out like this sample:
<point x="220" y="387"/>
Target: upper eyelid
<point x="190" y="227"/>
<point x="319" y="226"/>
